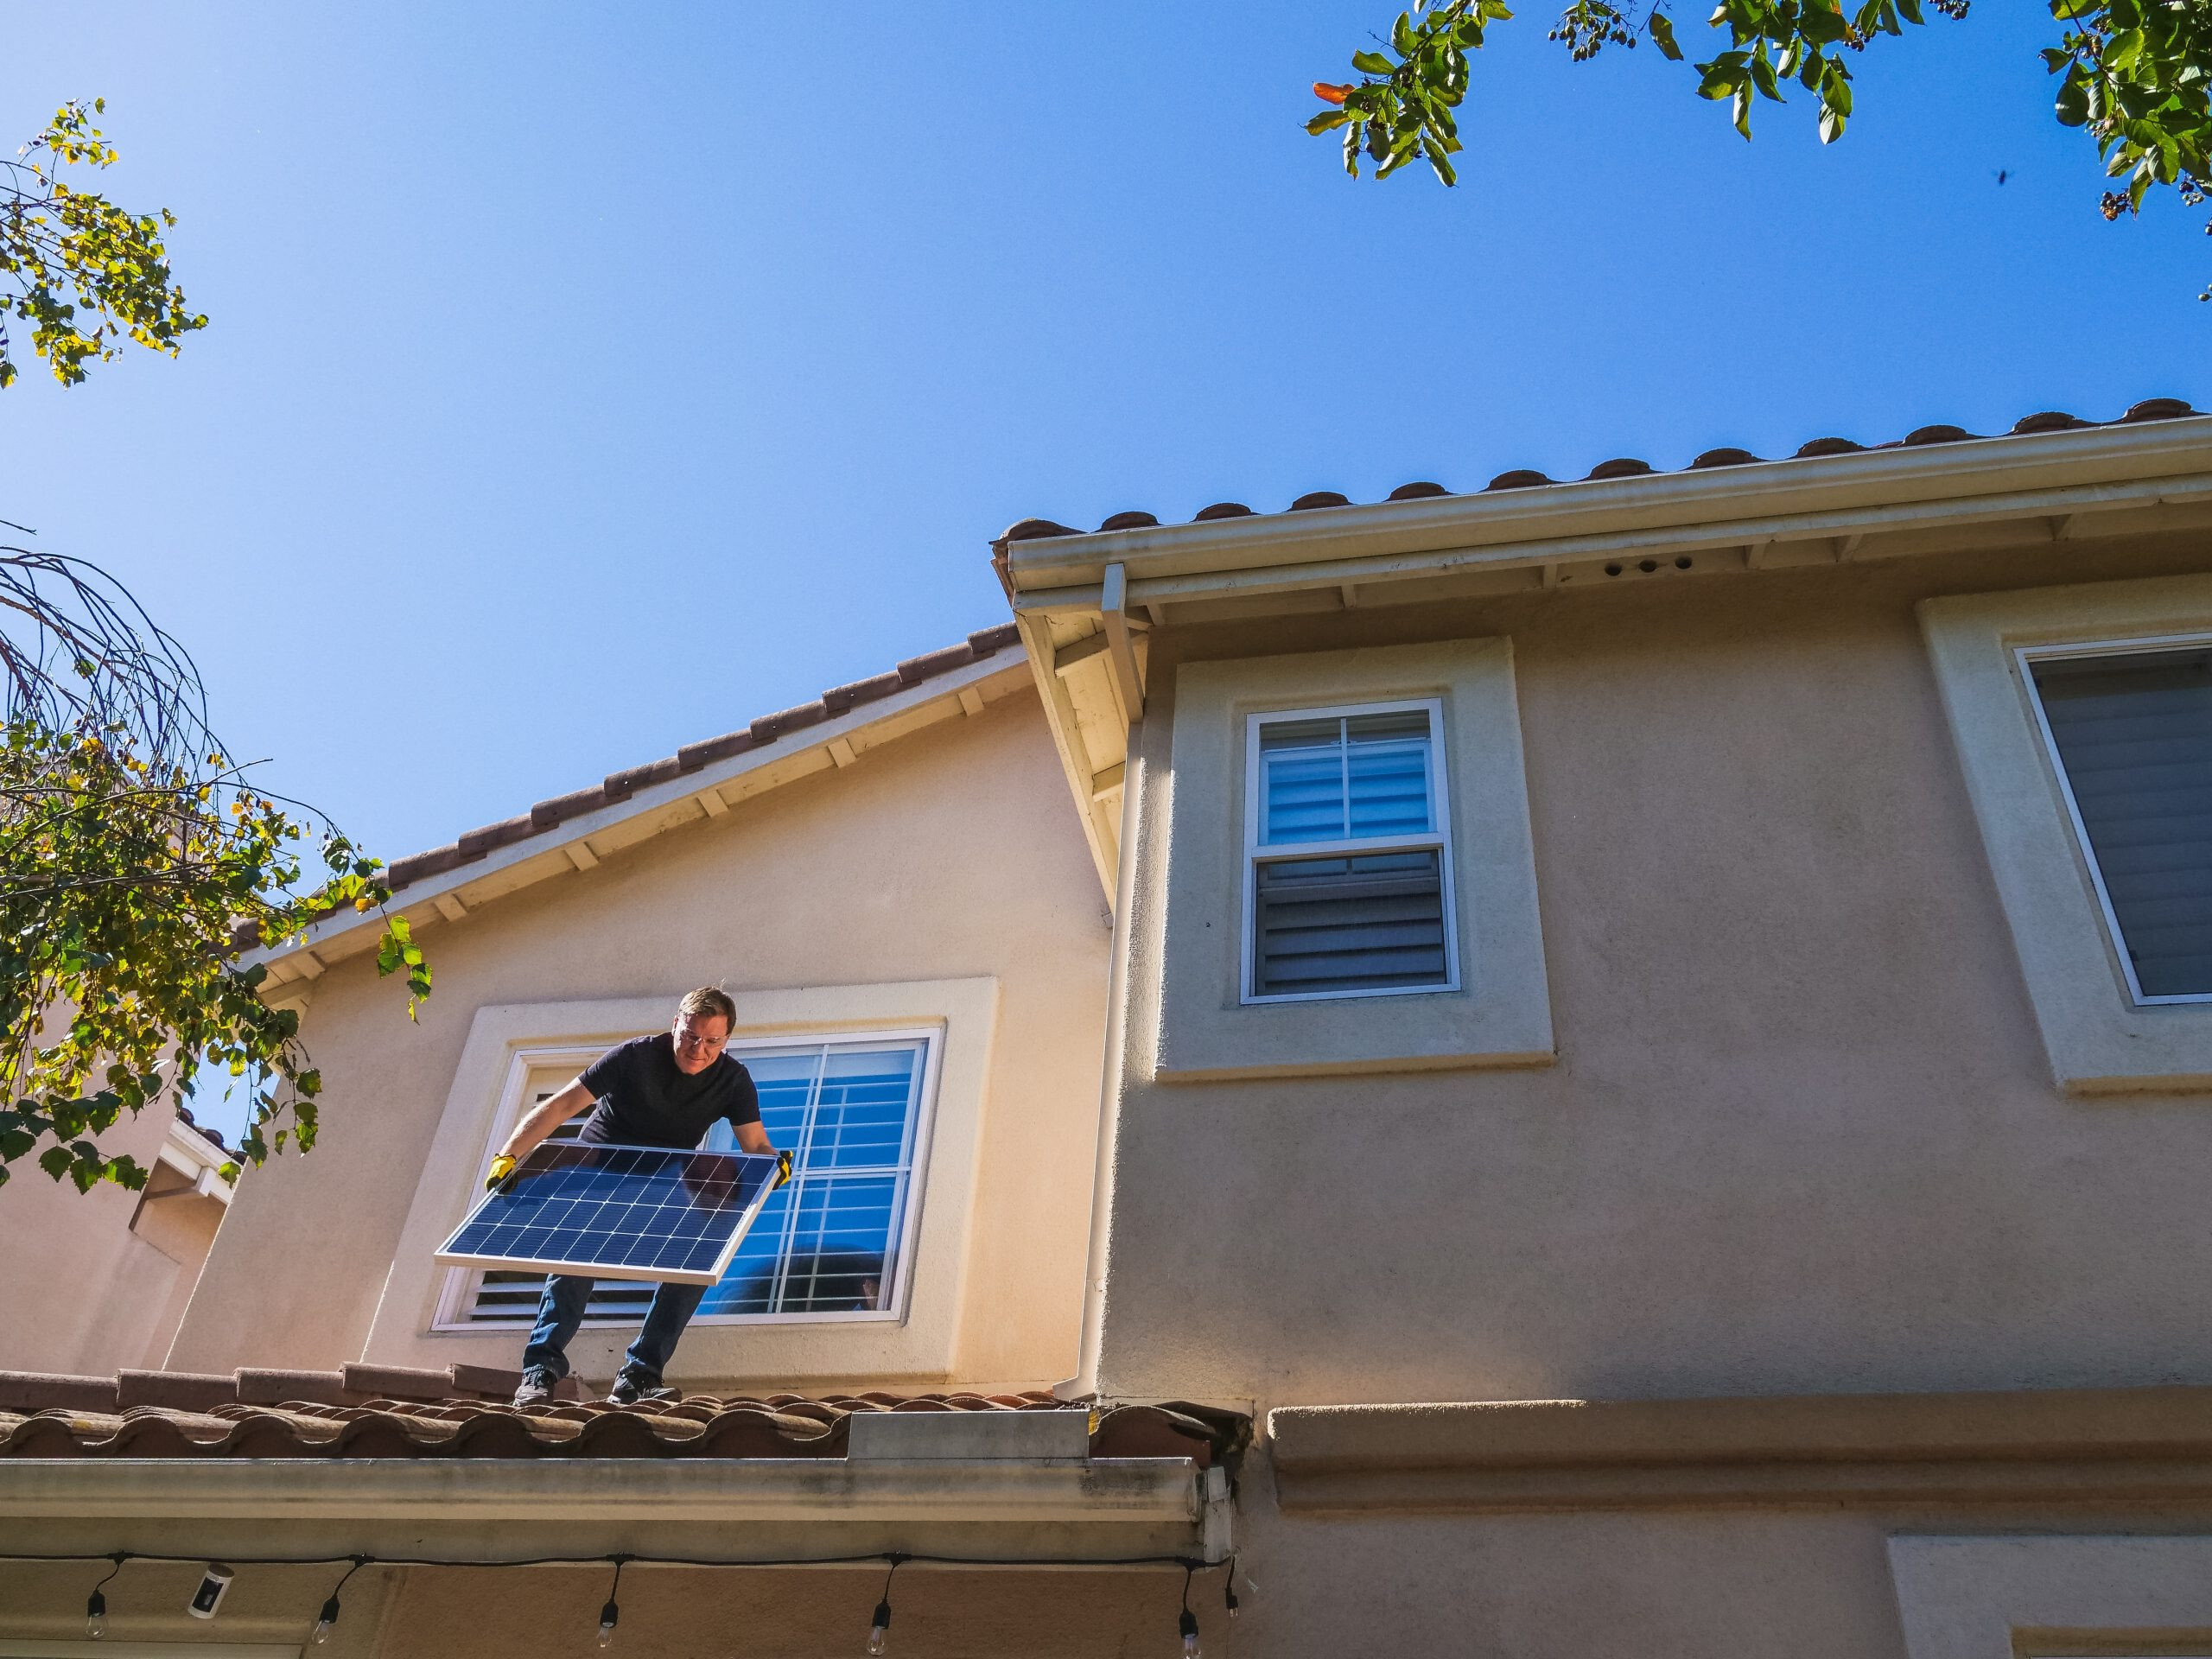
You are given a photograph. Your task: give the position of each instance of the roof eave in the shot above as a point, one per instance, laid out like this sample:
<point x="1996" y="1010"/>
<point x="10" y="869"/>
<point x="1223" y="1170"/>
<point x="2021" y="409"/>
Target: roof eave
<point x="556" y="847"/>
<point x="2098" y="468"/>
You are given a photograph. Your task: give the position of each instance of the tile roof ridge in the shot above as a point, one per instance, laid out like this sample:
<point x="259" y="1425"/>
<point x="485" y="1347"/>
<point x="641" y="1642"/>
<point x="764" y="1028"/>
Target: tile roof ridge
<point x="2149" y="409"/>
<point x="620" y="786"/>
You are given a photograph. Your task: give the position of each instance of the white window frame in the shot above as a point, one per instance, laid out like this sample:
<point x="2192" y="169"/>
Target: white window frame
<point x="2027" y="656"/>
<point x="1439" y="838"/>
<point x="457" y="1295"/>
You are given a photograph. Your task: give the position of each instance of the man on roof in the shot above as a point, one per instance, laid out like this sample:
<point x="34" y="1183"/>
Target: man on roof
<point x="664" y="1090"/>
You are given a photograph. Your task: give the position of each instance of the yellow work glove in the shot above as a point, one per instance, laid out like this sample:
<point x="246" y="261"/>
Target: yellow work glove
<point x="502" y="1167"/>
<point x="783" y="1169"/>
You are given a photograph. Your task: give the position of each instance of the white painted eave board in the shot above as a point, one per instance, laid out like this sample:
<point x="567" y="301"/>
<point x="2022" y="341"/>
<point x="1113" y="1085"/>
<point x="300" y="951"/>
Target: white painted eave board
<point x="2100" y="465"/>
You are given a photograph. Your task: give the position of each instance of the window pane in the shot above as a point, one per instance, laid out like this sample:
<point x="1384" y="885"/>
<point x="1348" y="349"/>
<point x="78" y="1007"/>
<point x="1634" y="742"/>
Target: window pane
<point x="2134" y="734"/>
<point x="1390" y="789"/>
<point x="1364" y="776"/>
<point x="1302" y="795"/>
<point x="827" y="1242"/>
<point x="1368" y="923"/>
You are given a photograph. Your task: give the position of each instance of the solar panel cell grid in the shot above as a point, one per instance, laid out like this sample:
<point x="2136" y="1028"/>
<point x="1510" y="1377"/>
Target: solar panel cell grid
<point x="617" y="1212"/>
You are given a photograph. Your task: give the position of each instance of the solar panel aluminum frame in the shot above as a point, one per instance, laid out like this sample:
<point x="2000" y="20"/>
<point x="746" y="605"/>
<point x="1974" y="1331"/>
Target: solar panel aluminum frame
<point x="778" y="1166"/>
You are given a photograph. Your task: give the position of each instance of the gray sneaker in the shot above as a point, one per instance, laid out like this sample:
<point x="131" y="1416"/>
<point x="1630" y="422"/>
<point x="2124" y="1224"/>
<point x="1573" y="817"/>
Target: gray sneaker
<point x="627" y="1390"/>
<point x="536" y="1388"/>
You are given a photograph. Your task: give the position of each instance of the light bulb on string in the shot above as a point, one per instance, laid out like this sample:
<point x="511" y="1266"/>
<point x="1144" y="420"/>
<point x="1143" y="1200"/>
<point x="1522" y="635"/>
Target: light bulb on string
<point x="326" y="1620"/>
<point x="879" y="1629"/>
<point x="611" y="1615"/>
<point x="1187" y="1625"/>
<point x="96" y="1604"/>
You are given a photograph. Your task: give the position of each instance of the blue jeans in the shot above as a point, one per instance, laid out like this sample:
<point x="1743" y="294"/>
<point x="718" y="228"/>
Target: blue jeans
<point x="562" y="1310"/>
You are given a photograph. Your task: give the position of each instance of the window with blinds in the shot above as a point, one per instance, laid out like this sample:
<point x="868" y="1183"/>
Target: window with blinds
<point x="2130" y="734"/>
<point x="1348" y="854"/>
<point x="830" y="1241"/>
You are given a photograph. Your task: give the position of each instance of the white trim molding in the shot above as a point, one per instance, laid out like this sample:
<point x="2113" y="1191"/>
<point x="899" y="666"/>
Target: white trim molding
<point x="2100" y="1038"/>
<point x="494" y="1510"/>
<point x="2051" y="1598"/>
<point x="508" y="1045"/>
<point x="1498" y="1011"/>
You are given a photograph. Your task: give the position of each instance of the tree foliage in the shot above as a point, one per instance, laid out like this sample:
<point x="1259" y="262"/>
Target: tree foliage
<point x="86" y="275"/>
<point x="137" y="860"/>
<point x="2135" y="75"/>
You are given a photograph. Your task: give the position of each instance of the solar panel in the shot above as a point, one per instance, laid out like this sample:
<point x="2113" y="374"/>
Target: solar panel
<point x="619" y="1213"/>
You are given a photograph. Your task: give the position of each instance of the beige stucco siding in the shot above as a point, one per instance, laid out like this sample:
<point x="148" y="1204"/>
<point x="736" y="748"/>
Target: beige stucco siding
<point x="1801" y="1135"/>
<point x="85" y="1292"/>
<point x="947" y="855"/>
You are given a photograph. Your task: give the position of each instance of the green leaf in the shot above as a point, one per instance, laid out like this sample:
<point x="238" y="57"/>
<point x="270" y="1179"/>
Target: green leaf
<point x="1662" y="35"/>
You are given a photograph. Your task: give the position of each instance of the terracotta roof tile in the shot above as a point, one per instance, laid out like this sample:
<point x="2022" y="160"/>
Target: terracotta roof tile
<point x="618" y="786"/>
<point x="1222" y="510"/>
<point x="368" y="1411"/>
<point x="2152" y="408"/>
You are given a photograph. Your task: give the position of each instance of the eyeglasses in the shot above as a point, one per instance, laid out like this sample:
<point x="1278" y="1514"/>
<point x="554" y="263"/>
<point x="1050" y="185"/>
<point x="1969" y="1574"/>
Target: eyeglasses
<point x="689" y="1036"/>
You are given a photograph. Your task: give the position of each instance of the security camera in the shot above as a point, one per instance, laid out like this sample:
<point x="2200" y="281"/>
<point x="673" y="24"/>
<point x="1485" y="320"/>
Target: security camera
<point x="214" y="1580"/>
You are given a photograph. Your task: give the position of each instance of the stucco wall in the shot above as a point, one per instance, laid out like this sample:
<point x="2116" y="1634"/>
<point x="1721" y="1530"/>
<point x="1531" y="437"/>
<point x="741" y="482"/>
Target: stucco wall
<point x="1801" y="1134"/>
<point x="84" y="1293"/>
<point x="951" y="854"/>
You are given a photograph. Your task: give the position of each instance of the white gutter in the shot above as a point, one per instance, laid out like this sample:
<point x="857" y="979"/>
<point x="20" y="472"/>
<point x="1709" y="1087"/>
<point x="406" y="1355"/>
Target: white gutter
<point x="571" y="837"/>
<point x="492" y="1509"/>
<point x="1936" y="486"/>
<point x="196" y="1158"/>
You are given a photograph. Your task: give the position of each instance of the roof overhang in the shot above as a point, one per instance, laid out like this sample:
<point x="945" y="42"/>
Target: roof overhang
<point x="1074" y="1510"/>
<point x="196" y="1158"/>
<point x="1083" y="601"/>
<point x="581" y="841"/>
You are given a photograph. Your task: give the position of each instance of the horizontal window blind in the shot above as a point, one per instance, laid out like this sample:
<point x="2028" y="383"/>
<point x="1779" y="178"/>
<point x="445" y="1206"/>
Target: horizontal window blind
<point x="1349" y="887"/>
<point x="2133" y="733"/>
<point x="1344" y="778"/>
<point x="826" y="1241"/>
<point x="1347" y="923"/>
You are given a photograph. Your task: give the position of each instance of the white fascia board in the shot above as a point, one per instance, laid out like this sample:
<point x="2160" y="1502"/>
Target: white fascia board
<point x="494" y="1508"/>
<point x="422" y="895"/>
<point x="196" y="1158"/>
<point x="1990" y="478"/>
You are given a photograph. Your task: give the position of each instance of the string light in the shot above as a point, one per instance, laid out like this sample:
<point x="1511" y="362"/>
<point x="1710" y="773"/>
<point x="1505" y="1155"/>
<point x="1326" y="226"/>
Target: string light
<point x="878" y="1635"/>
<point x="611" y="1615"/>
<point x="1187" y="1625"/>
<point x="328" y="1617"/>
<point x="96" y="1604"/>
<point x="879" y="1629"/>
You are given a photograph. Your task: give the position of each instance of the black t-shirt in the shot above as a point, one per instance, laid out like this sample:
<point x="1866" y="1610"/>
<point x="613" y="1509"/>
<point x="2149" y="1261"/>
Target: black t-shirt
<point x="644" y="1101"/>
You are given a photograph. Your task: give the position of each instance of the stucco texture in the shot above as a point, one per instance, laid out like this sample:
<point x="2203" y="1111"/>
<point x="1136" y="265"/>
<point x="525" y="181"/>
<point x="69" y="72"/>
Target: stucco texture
<point x="948" y="854"/>
<point x="84" y="1293"/>
<point x="1802" y="1136"/>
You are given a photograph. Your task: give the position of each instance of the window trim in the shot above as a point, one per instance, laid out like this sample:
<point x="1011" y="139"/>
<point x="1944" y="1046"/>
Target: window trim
<point x="2027" y="656"/>
<point x="457" y="1292"/>
<point x="1255" y="853"/>
<point x="2098" y="1041"/>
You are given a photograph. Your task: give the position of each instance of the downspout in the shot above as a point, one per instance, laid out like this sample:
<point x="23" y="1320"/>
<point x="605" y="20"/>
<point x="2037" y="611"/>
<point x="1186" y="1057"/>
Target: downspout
<point x="1084" y="1385"/>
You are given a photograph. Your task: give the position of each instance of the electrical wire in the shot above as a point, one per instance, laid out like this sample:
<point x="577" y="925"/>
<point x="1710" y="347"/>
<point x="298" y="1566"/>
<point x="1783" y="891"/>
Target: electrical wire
<point x="892" y="1557"/>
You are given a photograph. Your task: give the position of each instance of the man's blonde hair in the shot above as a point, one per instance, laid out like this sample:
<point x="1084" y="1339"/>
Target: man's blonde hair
<point x="708" y="1001"/>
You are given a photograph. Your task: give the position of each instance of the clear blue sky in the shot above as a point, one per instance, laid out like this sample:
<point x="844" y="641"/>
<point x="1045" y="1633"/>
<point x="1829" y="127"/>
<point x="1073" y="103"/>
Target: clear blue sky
<point x="582" y="382"/>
